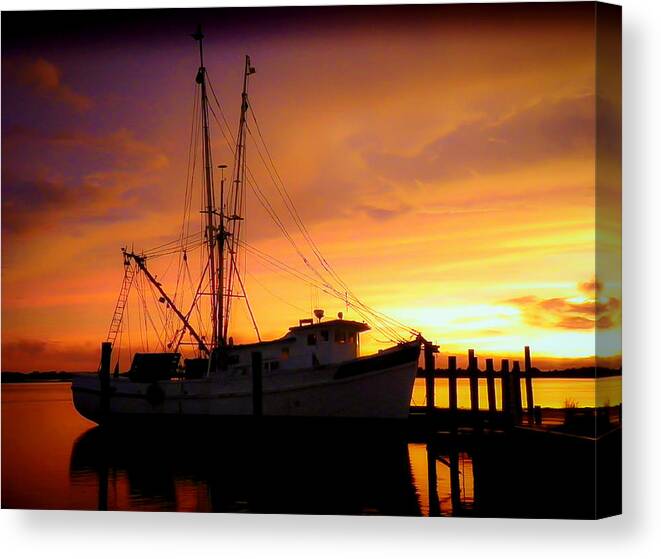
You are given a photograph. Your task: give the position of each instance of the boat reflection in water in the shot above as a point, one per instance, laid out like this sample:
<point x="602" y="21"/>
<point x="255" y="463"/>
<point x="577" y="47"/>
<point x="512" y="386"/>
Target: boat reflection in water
<point x="248" y="469"/>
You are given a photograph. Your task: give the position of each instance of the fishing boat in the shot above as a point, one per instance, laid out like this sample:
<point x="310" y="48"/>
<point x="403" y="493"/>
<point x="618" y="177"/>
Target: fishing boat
<point x="314" y="370"/>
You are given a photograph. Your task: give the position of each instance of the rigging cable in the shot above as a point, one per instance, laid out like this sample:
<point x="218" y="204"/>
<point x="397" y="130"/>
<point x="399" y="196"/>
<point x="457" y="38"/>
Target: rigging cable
<point x="289" y="204"/>
<point x="274" y="295"/>
<point x="311" y="281"/>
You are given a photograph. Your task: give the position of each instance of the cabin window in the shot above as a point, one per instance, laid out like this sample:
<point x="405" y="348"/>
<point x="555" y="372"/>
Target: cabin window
<point x="351" y="338"/>
<point x="324" y="335"/>
<point x="271" y="366"/>
<point x="284" y="353"/>
<point x="340" y="337"/>
<point x="312" y="339"/>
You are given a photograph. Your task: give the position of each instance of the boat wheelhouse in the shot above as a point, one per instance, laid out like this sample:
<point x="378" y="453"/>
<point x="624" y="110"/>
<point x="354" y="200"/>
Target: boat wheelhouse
<point x="308" y="345"/>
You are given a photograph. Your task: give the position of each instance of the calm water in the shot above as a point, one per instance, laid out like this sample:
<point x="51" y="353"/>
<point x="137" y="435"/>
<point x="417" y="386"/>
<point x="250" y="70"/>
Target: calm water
<point x="54" y="459"/>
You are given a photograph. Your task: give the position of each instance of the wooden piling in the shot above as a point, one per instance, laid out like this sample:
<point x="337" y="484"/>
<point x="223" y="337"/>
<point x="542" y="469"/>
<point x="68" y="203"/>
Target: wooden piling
<point x="257" y="396"/>
<point x="505" y="386"/>
<point x="530" y="401"/>
<point x="104" y="377"/>
<point x="473" y="382"/>
<point x="452" y="388"/>
<point x="452" y="383"/>
<point x="516" y="390"/>
<point x="430" y="370"/>
<point x="491" y="387"/>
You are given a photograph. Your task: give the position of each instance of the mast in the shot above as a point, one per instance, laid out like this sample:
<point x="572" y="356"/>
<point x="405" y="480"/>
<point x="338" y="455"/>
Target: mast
<point x="222" y="235"/>
<point x="214" y="248"/>
<point x="238" y="192"/>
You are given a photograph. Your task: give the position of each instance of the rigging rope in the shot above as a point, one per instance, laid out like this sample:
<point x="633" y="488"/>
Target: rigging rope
<point x="289" y="204"/>
<point x="389" y="323"/>
<point x="329" y="290"/>
<point x="326" y="280"/>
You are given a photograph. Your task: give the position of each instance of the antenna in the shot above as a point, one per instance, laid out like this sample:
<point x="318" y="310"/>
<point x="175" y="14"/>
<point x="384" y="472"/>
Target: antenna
<point x="198" y="36"/>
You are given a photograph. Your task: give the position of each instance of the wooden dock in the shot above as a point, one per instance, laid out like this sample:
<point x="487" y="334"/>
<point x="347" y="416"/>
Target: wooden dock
<point x="509" y="413"/>
<point x="500" y="409"/>
<point x="563" y="447"/>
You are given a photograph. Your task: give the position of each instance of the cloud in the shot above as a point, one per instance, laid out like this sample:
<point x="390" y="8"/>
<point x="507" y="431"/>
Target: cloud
<point x="590" y="287"/>
<point x="42" y="204"/>
<point x="30" y="204"/>
<point x="544" y="130"/>
<point x="31" y="354"/>
<point x="120" y="148"/>
<point x="117" y="178"/>
<point x="45" y="79"/>
<point x="383" y="214"/>
<point x="571" y="313"/>
<point x="122" y="145"/>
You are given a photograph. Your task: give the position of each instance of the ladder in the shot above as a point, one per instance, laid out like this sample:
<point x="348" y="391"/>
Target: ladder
<point x="118" y="315"/>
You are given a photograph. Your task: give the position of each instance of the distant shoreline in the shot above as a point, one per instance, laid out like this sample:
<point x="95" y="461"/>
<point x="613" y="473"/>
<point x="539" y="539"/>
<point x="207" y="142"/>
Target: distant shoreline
<point x="11" y="377"/>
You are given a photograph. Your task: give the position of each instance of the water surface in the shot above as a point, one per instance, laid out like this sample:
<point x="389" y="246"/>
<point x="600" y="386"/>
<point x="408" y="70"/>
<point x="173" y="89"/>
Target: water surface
<point x="52" y="458"/>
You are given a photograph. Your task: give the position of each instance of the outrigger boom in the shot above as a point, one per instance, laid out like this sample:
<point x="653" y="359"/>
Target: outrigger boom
<point x="140" y="261"/>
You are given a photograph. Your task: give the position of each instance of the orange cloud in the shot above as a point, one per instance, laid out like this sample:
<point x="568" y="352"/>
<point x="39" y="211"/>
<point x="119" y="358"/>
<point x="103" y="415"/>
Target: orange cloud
<point x="26" y="202"/>
<point x="591" y="287"/>
<point x="45" y="79"/>
<point x="383" y="214"/>
<point x="114" y="182"/>
<point x="542" y="130"/>
<point x="48" y="355"/>
<point x="122" y="144"/>
<point x="571" y="313"/>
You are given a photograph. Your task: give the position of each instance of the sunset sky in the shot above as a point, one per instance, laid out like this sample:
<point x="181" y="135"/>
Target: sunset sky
<point x="443" y="159"/>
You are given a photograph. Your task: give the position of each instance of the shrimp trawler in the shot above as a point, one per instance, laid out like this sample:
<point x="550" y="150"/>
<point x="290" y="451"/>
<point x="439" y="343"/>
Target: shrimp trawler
<point x="315" y="370"/>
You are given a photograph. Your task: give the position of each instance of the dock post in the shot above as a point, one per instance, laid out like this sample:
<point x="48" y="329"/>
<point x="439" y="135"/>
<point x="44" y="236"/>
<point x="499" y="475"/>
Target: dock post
<point x="452" y="389"/>
<point x="430" y="370"/>
<point x="530" y="400"/>
<point x="104" y="377"/>
<point x="257" y="401"/>
<point x="516" y="391"/>
<point x="474" y="386"/>
<point x="505" y="387"/>
<point x="491" y="387"/>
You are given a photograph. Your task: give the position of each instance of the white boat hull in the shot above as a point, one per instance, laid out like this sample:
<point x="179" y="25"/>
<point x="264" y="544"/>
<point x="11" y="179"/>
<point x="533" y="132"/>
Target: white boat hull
<point x="365" y="390"/>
